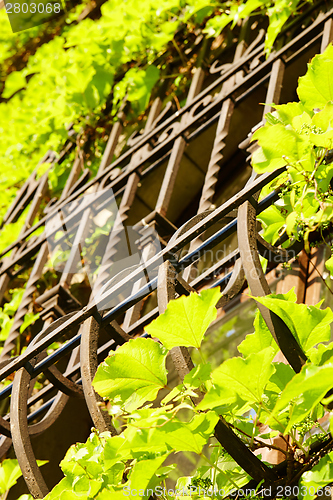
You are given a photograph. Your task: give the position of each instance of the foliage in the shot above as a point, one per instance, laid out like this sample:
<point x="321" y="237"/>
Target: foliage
<point x="95" y="64"/>
<point x="7" y="313"/>
<point x="243" y="391"/>
<point x="299" y="136"/>
<point x="9" y="473"/>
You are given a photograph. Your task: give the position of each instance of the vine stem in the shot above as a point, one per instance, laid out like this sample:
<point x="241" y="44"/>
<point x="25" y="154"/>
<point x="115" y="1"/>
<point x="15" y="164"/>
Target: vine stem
<point x="255" y="425"/>
<point x="259" y="442"/>
<point x="201" y="355"/>
<point x="321" y="276"/>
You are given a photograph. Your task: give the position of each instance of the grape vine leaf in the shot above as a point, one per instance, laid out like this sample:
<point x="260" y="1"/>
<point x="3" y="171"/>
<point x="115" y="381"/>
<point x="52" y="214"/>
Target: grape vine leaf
<point x="259" y="340"/>
<point x="321" y="354"/>
<point x="240" y="378"/>
<point x="190" y="436"/>
<point x="303" y="393"/>
<point x="309" y="324"/>
<point x="186" y="320"/>
<point x="315" y="88"/>
<point x="135" y="372"/>
<point x="318" y="477"/>
<point x="141" y="480"/>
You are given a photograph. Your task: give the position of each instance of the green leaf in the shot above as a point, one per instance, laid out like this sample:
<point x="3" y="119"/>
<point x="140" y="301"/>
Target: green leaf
<point x="309" y="324"/>
<point x="280" y="378"/>
<point x="329" y="265"/>
<point x="303" y="393"/>
<point x="272" y="221"/>
<point x="9" y="473"/>
<point x="321" y="354"/>
<point x="198" y="375"/>
<point x="142" y="475"/>
<point x="29" y="319"/>
<point x="142" y="478"/>
<point x="240" y="378"/>
<point x="62" y="491"/>
<point x="136" y="371"/>
<point x="278" y="13"/>
<point x="286" y="112"/>
<point x="186" y="319"/>
<point x="191" y="436"/>
<point x="259" y="340"/>
<point x="318" y="477"/>
<point x="315" y="89"/>
<point x="278" y="142"/>
<point x="14" y="82"/>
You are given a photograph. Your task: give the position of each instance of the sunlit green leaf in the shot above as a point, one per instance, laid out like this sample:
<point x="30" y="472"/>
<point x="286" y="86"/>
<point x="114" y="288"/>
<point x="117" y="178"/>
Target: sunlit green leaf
<point x="240" y="378"/>
<point x="136" y="369"/>
<point x="186" y="320"/>
<point x="309" y="324"/>
<point x="315" y="89"/>
<point x="304" y="392"/>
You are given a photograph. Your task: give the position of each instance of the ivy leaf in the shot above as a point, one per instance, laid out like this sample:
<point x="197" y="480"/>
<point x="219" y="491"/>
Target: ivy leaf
<point x="186" y="319"/>
<point x="240" y="378"/>
<point x="315" y="89"/>
<point x="309" y="324"/>
<point x="303" y="392"/>
<point x="259" y="340"/>
<point x="136" y="370"/>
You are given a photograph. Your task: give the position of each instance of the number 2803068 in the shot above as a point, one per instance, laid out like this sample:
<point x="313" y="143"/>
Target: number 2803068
<point x="25" y="8"/>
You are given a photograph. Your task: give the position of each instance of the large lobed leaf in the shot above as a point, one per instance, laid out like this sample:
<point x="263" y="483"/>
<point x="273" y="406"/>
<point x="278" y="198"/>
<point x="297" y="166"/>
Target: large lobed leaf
<point x="315" y="89"/>
<point x="259" y="340"/>
<point x="240" y="378"/>
<point x="309" y="324"/>
<point x="303" y="393"/>
<point x="186" y="319"/>
<point x="136" y="370"/>
<point x="320" y="476"/>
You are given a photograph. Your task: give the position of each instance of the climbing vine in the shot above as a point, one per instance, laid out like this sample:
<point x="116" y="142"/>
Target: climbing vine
<point x="243" y="391"/>
<point x="299" y="137"/>
<point x="126" y="49"/>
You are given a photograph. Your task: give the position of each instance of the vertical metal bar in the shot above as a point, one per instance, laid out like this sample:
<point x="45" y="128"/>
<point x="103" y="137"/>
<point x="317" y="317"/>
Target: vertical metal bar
<point x="172" y="169"/>
<point x="247" y="242"/>
<point x="30" y="289"/>
<point x="275" y="85"/>
<point x="125" y="204"/>
<point x="43" y="185"/>
<point x="327" y="35"/>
